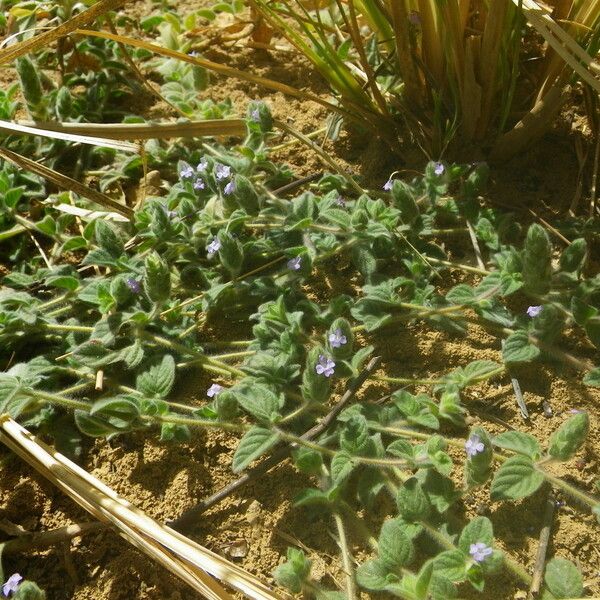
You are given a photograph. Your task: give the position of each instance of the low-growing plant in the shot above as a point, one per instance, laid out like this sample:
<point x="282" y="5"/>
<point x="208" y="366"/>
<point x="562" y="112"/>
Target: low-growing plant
<point x="223" y="243"/>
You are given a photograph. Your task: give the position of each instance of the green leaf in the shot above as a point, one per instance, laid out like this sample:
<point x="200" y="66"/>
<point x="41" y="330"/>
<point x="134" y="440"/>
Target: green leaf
<point x="132" y="355"/>
<point x="109" y="240"/>
<point x="412" y="502"/>
<point x="569" y="437"/>
<point x="395" y="547"/>
<point x="354" y="438"/>
<point x="537" y="256"/>
<point x="157" y="278"/>
<point x="516" y="478"/>
<point x="517" y="348"/>
<point x="294" y="572"/>
<point x="120" y="411"/>
<point x="461" y="294"/>
<point x="94" y="426"/>
<point x="478" y="530"/>
<point x="261" y="402"/>
<point x="573" y="257"/>
<point x="341" y="467"/>
<point x="451" y="564"/>
<point x="563" y="578"/>
<point x="157" y="381"/>
<point x="372" y="575"/>
<point x="592" y="378"/>
<point x="519" y="442"/>
<point x="255" y="442"/>
<point x="28" y="590"/>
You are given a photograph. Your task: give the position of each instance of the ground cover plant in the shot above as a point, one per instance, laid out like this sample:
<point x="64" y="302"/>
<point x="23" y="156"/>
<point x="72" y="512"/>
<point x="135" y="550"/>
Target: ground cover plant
<point x="104" y="309"/>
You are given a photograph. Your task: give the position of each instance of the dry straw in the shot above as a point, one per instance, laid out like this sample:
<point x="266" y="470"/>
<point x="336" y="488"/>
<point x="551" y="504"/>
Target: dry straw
<point x="189" y="561"/>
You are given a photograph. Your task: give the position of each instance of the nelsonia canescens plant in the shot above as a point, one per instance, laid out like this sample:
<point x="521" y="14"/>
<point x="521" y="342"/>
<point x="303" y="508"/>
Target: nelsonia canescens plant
<point x="222" y="243"/>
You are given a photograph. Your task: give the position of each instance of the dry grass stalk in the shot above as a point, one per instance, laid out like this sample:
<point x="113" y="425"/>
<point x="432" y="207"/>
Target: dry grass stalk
<point x="137" y="131"/>
<point x="65" y="182"/>
<point x="187" y="560"/>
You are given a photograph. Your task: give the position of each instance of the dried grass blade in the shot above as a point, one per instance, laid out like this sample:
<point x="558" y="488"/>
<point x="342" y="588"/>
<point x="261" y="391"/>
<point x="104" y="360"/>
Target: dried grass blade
<point x="65" y="182"/>
<point x="561" y="42"/>
<point x="57" y="133"/>
<point x="45" y="39"/>
<point x="177" y="553"/>
<point x="146" y="131"/>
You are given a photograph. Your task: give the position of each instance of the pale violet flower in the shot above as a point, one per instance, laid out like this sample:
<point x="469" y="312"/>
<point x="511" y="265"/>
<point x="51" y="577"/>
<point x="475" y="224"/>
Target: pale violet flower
<point x="187" y="172"/>
<point x="199" y="184"/>
<point x="479" y="551"/>
<point x="213" y="390"/>
<point x="134" y="285"/>
<point x="255" y="115"/>
<point x="222" y="171"/>
<point x="387" y="186"/>
<point x="11" y="584"/>
<point x="337" y="338"/>
<point x="229" y="188"/>
<point x="439" y="169"/>
<point x="294" y="263"/>
<point x="194" y="54"/>
<point x="202" y="165"/>
<point x="474" y="446"/>
<point x="340" y="202"/>
<point x="213" y="247"/>
<point x="534" y="311"/>
<point x="325" y="366"/>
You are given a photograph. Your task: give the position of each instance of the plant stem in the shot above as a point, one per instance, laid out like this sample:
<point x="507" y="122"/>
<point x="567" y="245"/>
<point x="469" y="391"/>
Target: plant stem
<point x="346" y="558"/>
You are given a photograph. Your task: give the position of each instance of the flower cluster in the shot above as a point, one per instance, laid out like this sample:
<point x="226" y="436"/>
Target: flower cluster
<point x="479" y="551"/>
<point x="189" y="173"/>
<point x="325" y="366"/>
<point x="294" y="264"/>
<point x="222" y="173"/>
<point x="337" y="338"/>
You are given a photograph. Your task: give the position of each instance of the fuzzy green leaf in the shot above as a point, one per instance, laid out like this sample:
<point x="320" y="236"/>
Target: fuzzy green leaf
<point x="516" y="478"/>
<point x="537" y="256"/>
<point x="109" y="240"/>
<point x="569" y="437"/>
<point x="157" y="380"/>
<point x="519" y="442"/>
<point x="395" y="547"/>
<point x="412" y="502"/>
<point x="563" y="579"/>
<point x="517" y="348"/>
<point x="478" y="530"/>
<point x="255" y="442"/>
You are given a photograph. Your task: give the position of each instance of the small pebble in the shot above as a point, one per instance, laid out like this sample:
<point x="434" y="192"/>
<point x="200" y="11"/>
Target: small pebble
<point x="547" y="410"/>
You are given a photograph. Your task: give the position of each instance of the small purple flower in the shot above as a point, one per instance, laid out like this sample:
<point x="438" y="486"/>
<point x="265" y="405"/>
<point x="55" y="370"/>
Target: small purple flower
<point x="576" y="411"/>
<point x="171" y="214"/>
<point x="255" y="115"/>
<point x="202" y="165"/>
<point x="199" y="184"/>
<point x="186" y="173"/>
<point x="222" y="171"/>
<point x="387" y="186"/>
<point x="439" y="169"/>
<point x="12" y="584"/>
<point x="134" y="285"/>
<point x="534" y="311"/>
<point x="474" y="446"/>
<point x="340" y="202"/>
<point x="325" y="366"/>
<point x="337" y="338"/>
<point x="213" y="390"/>
<point x="194" y="53"/>
<point x="229" y="188"/>
<point x="294" y="263"/>
<point x="213" y="247"/>
<point x="479" y="551"/>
